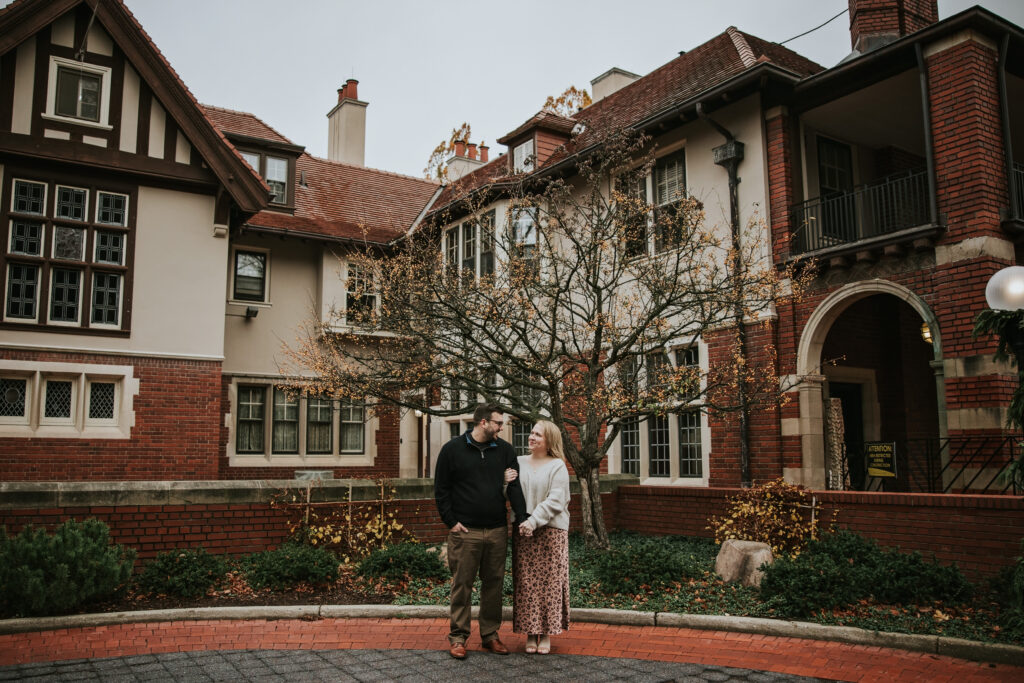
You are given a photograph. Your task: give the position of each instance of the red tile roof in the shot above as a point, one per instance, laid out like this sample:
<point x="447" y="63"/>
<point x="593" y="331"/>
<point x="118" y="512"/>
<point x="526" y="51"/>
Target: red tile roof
<point x="686" y="77"/>
<point x="242" y="123"/>
<point x="342" y="201"/>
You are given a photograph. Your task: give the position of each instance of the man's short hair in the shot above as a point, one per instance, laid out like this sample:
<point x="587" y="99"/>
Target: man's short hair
<point x="484" y="411"/>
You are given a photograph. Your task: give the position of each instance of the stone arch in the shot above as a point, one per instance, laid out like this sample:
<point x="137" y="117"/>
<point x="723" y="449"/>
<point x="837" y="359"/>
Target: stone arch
<point x="812" y="339"/>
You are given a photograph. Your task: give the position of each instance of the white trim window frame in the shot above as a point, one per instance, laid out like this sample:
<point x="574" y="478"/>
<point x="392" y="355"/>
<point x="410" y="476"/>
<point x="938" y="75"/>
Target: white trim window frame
<point x="255" y="402"/>
<point x="58" y="400"/>
<point x="361" y="294"/>
<point x="16" y="397"/>
<point x="524" y="157"/>
<point x="85" y="101"/>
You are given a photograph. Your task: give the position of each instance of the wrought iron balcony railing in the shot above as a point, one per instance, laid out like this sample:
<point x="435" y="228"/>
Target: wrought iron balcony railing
<point x="895" y="203"/>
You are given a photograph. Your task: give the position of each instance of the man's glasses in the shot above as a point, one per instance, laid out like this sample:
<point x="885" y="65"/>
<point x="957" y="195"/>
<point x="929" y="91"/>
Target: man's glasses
<point x="500" y="423"/>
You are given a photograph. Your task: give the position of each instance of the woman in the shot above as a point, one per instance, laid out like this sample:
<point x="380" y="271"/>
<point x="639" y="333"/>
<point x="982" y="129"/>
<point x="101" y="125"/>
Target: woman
<point x="540" y="551"/>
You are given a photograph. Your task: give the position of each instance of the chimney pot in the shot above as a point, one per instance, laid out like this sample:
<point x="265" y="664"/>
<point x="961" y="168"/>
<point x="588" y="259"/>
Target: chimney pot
<point x="460" y="148"/>
<point x="483" y="153"/>
<point x="472" y="150"/>
<point x="350" y="89"/>
<point x="341" y="94"/>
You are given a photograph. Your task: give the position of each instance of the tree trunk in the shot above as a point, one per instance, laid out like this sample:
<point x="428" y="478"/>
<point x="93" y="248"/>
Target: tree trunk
<point x="591" y="510"/>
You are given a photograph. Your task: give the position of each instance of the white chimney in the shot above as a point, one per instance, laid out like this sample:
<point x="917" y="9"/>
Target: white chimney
<point x="346" y="127"/>
<point x="465" y="160"/>
<point x="611" y="80"/>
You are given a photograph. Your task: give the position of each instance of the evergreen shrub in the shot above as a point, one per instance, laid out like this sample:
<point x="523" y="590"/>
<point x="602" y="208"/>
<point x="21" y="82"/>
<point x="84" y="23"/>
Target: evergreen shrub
<point x="842" y="568"/>
<point x="43" y="574"/>
<point x="185" y="573"/>
<point x="290" y="564"/>
<point x="403" y="561"/>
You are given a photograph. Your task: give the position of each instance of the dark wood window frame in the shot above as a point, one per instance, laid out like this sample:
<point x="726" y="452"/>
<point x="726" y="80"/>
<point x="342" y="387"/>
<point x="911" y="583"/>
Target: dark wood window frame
<point x="42" y="258"/>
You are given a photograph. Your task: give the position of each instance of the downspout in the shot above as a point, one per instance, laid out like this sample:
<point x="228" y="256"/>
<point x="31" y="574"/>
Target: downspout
<point x="929" y="151"/>
<point x="1004" y="106"/>
<point x="729" y="156"/>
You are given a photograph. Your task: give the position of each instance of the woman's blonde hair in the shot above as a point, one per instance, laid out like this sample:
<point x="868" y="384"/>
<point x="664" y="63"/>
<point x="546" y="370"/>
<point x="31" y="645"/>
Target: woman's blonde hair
<point x="553" y="438"/>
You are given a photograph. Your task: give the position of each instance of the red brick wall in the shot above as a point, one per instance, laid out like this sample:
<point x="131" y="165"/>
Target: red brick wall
<point x="176" y="435"/>
<point x="234" y="529"/>
<point x="981" y="534"/>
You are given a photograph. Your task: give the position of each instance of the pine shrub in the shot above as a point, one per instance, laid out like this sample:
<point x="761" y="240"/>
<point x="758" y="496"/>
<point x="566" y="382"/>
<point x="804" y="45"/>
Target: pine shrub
<point x="403" y="561"/>
<point x="184" y="573"/>
<point x="290" y="564"/>
<point x="42" y="574"/>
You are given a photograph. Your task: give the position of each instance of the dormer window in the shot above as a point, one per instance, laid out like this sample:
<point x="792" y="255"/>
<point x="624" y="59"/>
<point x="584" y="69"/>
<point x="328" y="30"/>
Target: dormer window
<point x="274" y="170"/>
<point x="523" y="157"/>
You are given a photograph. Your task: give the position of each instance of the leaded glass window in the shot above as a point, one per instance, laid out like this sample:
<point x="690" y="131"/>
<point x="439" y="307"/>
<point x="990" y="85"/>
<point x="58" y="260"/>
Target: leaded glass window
<point x="112" y="209"/>
<point x="71" y="203"/>
<point x="630" y="435"/>
<point x="109" y="247"/>
<point x="26" y="238"/>
<point x="64" y="294"/>
<point x="58" y="399"/>
<point x="68" y="243"/>
<point x="29" y="196"/>
<point x="106" y="298"/>
<point x="22" y="291"/>
<point x="13" y="392"/>
<point x="101" y="400"/>
<point x="690" y="461"/>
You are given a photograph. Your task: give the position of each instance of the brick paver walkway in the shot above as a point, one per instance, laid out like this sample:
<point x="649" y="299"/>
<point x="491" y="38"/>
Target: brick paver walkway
<point x="794" y="656"/>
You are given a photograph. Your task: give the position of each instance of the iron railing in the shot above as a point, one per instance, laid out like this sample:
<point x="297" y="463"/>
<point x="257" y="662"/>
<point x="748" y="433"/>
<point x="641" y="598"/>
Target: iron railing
<point x="963" y="464"/>
<point x="889" y="205"/>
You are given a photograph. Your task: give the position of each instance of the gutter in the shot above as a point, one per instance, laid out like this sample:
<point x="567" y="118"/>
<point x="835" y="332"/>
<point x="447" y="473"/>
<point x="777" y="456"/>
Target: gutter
<point x="929" y="144"/>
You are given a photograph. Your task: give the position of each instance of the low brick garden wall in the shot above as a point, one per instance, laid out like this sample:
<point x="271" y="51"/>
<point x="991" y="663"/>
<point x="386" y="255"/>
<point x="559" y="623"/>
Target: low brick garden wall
<point x="981" y="534"/>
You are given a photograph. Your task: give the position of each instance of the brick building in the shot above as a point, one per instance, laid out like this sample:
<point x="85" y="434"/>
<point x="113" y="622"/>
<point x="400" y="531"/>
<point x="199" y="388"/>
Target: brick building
<point x="157" y="251"/>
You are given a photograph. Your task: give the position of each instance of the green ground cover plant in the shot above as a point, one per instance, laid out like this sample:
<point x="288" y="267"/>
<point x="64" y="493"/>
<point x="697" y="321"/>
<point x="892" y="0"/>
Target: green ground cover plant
<point x="43" y="573"/>
<point x="936" y="601"/>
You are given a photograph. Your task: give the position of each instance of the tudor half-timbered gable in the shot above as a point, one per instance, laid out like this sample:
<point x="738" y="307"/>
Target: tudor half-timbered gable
<point x="116" y="198"/>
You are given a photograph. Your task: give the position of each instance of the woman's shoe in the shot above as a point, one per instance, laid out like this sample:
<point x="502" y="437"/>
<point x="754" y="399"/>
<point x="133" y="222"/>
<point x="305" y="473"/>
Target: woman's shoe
<point x="531" y="645"/>
<point x="544" y="646"/>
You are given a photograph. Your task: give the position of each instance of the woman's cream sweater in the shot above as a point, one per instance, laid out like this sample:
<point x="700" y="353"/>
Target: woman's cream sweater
<point x="546" y="489"/>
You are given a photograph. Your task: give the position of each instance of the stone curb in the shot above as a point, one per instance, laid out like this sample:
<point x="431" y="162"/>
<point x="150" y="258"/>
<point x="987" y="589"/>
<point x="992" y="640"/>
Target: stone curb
<point x="940" y="645"/>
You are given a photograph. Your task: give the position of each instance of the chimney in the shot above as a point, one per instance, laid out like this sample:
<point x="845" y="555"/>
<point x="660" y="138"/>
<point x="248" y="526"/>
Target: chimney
<point x="463" y="161"/>
<point x="483" y="153"/>
<point x="611" y="80"/>
<point x="346" y="127"/>
<point x="875" y="23"/>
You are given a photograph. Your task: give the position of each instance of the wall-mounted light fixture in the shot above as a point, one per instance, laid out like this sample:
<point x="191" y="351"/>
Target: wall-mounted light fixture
<point x="251" y="312"/>
<point x="926" y="333"/>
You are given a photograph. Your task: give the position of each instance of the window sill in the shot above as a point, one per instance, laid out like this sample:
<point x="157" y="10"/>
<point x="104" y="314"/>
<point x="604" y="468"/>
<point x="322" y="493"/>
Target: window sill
<point x="308" y="461"/>
<point x="688" y="482"/>
<point x="77" y="122"/>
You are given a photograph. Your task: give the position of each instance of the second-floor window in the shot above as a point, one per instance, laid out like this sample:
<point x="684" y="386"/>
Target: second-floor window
<point x="250" y="276"/>
<point x="524" y="238"/>
<point x="360" y="293"/>
<point x="65" y="261"/>
<point x="470" y="246"/>
<point x="274" y="170"/>
<point x="523" y="157"/>
<point x="668" y="181"/>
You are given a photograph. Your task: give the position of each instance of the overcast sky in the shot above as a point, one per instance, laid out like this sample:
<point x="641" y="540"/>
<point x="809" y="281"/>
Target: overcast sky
<point x="426" y="66"/>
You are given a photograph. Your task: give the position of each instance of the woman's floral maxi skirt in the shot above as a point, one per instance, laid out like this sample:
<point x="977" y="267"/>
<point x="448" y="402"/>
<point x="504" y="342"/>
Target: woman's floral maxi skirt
<point x="540" y="576"/>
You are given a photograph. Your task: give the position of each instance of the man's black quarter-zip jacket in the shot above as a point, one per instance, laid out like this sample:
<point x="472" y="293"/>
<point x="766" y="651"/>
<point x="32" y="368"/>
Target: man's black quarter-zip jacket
<point x="468" y="483"/>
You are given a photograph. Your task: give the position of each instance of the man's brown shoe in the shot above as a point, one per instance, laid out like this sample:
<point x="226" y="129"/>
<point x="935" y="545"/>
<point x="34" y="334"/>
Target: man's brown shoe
<point x="496" y="646"/>
<point x="458" y="650"/>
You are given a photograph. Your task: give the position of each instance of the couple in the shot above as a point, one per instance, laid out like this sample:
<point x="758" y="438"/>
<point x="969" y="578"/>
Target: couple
<point x="472" y="469"/>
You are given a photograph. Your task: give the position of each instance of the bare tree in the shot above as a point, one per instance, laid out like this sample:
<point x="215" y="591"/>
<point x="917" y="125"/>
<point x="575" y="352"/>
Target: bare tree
<point x="591" y="285"/>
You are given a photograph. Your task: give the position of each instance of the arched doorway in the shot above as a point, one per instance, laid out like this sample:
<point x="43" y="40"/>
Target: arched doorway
<point x="864" y="346"/>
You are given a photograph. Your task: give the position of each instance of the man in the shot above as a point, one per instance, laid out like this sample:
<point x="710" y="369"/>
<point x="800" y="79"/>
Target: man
<point x="468" y="484"/>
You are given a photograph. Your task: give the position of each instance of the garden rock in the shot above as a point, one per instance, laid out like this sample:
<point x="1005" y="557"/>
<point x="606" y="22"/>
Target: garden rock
<point x="740" y="561"/>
